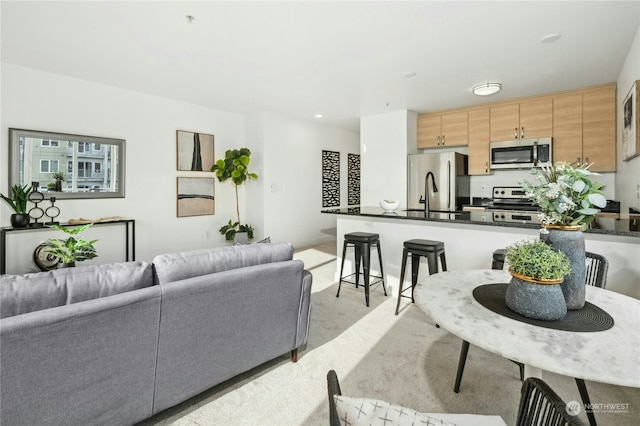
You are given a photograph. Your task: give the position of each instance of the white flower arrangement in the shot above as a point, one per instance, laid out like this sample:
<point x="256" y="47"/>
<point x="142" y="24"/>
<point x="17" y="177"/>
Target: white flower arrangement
<point x="565" y="195"/>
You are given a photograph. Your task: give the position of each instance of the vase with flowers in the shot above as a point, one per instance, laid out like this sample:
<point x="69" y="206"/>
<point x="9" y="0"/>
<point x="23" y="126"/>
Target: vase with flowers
<point x="568" y="201"/>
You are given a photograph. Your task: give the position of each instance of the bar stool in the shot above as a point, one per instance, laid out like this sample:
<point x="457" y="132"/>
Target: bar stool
<point x="362" y="243"/>
<point x="498" y="259"/>
<point x="417" y="248"/>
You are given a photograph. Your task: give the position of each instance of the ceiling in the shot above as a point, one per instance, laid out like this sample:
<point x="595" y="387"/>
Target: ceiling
<point x="343" y="59"/>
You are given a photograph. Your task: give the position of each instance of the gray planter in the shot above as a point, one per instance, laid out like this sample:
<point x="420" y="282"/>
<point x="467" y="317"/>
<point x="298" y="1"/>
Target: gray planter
<point x="537" y="301"/>
<point x="571" y="243"/>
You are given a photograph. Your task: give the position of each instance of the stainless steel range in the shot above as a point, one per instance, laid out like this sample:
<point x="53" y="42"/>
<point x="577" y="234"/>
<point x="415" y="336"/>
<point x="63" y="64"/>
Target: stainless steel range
<point x="510" y="204"/>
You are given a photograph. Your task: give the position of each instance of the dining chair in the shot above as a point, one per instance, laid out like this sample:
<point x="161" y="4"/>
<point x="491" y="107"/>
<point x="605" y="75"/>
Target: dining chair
<point x="539" y="405"/>
<point x="596" y="275"/>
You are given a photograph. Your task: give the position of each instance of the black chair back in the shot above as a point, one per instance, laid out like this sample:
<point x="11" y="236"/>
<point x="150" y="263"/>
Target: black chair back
<point x="540" y="405"/>
<point x="597" y="267"/>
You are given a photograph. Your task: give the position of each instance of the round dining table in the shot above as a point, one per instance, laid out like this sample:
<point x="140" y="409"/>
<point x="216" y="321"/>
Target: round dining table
<point x="608" y="356"/>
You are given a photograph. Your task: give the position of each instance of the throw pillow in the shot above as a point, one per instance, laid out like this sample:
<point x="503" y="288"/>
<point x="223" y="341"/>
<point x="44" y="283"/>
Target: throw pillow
<point x="365" y="412"/>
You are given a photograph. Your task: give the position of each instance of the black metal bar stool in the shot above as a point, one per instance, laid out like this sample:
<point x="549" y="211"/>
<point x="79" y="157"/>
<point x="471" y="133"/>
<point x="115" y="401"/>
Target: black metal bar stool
<point x="362" y="243"/>
<point x="417" y="248"/>
<point x="498" y="259"/>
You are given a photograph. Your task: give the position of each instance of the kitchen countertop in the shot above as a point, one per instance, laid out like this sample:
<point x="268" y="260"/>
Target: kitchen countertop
<point x="607" y="226"/>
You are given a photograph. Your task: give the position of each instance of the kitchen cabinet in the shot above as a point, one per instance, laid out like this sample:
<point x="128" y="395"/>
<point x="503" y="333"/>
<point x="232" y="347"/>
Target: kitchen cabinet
<point x="584" y="128"/>
<point x="443" y="129"/>
<point x="599" y="129"/>
<point x="523" y="120"/>
<point x="567" y="128"/>
<point x="479" y="137"/>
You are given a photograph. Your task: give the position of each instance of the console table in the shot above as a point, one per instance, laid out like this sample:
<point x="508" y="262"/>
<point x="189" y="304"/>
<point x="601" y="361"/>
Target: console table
<point x="129" y="247"/>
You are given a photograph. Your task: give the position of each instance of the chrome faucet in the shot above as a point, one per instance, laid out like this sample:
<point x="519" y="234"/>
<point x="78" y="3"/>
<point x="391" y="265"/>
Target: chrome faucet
<point x="426" y="192"/>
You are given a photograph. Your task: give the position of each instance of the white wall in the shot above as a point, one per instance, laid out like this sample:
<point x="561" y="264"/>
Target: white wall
<point x="385" y="141"/>
<point x="628" y="176"/>
<point x="290" y="187"/>
<point x="36" y="100"/>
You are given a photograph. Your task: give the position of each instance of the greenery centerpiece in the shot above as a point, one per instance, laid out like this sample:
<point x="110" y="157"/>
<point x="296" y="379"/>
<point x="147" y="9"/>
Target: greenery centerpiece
<point x="537" y="261"/>
<point x="568" y="201"/>
<point x="235" y="166"/>
<point x="18" y="202"/>
<point x="72" y="249"/>
<point x="565" y="194"/>
<point x="537" y="271"/>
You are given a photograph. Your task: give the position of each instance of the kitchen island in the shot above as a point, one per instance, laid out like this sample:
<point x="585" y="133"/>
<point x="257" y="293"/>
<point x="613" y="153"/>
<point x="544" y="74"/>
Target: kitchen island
<point x="471" y="237"/>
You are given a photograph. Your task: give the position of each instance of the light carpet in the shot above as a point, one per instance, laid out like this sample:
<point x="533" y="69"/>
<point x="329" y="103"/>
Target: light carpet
<point x="402" y="359"/>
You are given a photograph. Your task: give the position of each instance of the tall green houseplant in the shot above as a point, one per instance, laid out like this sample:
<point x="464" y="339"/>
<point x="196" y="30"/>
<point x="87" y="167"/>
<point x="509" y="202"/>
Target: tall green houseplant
<point x="235" y="166"/>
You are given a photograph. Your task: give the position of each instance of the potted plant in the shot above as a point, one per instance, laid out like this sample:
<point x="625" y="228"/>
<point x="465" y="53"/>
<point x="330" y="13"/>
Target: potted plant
<point x="72" y="249"/>
<point x="537" y="271"/>
<point x="18" y="202"/>
<point x="59" y="177"/>
<point x="568" y="201"/>
<point x="234" y="166"/>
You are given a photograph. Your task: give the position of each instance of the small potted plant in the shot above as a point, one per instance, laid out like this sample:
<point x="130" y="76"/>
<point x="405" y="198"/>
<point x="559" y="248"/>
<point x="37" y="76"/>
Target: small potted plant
<point x="537" y="271"/>
<point x="59" y="177"/>
<point x="70" y="250"/>
<point x="234" y="166"/>
<point x="18" y="202"/>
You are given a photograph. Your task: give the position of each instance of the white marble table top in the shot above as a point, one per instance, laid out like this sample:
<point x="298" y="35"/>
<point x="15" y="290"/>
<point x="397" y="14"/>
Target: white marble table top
<point x="611" y="356"/>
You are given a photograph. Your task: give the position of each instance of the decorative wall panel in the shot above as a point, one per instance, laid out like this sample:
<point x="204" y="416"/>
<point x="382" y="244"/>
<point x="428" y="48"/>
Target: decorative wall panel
<point x="353" y="179"/>
<point x="330" y="178"/>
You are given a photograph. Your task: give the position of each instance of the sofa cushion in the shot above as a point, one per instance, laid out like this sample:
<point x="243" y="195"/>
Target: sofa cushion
<point x="20" y="294"/>
<point x="180" y="266"/>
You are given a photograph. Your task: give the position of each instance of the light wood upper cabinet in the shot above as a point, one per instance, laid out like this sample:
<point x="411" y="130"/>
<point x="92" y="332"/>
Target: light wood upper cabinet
<point x="584" y="128"/>
<point x="479" y="137"/>
<point x="505" y="122"/>
<point x="599" y="129"/>
<point x="446" y="129"/>
<point x="536" y="118"/>
<point x="567" y="128"/>
<point x="527" y="119"/>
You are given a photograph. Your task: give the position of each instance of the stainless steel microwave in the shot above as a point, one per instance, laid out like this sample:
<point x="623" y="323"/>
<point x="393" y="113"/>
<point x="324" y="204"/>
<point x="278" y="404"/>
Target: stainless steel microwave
<point x="521" y="153"/>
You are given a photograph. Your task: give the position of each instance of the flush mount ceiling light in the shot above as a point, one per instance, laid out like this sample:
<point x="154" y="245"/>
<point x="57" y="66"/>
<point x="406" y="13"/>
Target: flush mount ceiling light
<point x="486" y="89"/>
<point x="550" y="38"/>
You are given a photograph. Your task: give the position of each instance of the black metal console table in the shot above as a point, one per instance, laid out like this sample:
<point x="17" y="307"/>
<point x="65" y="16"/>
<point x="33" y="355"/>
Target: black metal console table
<point x="130" y="238"/>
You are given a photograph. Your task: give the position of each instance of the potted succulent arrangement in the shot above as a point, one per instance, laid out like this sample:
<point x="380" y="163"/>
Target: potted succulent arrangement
<point x="568" y="201"/>
<point x="537" y="271"/>
<point x="59" y="177"/>
<point x="18" y="202"/>
<point x="234" y="166"/>
<point x="72" y="249"/>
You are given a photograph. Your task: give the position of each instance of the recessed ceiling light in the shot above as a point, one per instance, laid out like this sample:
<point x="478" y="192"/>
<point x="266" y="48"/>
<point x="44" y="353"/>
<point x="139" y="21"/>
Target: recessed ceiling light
<point x="486" y="89"/>
<point x="550" y="38"/>
<point x="410" y="74"/>
<point x="319" y="116"/>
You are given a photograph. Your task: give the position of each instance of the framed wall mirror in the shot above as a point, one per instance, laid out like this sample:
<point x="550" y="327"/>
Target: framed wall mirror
<point x="67" y="166"/>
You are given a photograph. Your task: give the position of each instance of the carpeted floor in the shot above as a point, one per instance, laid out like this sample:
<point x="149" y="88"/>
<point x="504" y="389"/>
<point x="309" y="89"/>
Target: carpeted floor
<point x="402" y="359"/>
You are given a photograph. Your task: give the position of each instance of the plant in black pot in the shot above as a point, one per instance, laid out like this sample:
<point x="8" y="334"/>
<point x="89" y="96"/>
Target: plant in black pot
<point x="72" y="249"/>
<point x="234" y="166"/>
<point x="59" y="177"/>
<point x="18" y="202"/>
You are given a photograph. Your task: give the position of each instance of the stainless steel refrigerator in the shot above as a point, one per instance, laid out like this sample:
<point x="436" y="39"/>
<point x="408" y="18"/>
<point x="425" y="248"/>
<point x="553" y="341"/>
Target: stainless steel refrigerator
<point x="450" y="172"/>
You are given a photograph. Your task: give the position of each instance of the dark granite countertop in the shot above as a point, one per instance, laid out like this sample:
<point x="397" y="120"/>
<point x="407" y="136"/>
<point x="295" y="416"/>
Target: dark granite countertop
<point x="607" y="226"/>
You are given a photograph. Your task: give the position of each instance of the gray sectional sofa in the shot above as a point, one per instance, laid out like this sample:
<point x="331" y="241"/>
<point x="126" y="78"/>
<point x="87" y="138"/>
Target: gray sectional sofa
<point x="116" y="344"/>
